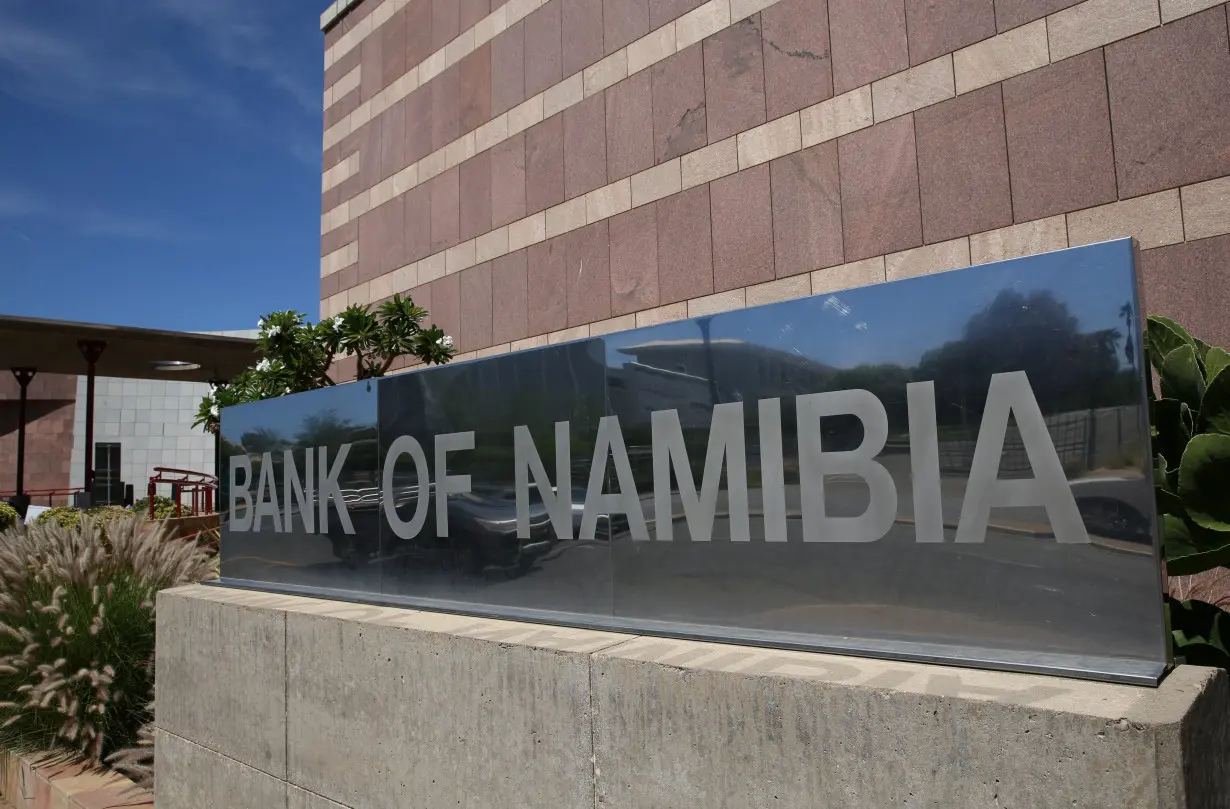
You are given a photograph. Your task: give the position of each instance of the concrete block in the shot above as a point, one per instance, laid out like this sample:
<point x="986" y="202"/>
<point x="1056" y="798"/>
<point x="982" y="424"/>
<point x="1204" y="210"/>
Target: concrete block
<point x="193" y="777"/>
<point x="297" y="798"/>
<point x="436" y="710"/>
<point x="679" y="723"/>
<point x="221" y="674"/>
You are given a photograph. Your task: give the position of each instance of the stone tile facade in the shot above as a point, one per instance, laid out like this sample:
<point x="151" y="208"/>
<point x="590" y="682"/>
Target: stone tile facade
<point x="562" y="168"/>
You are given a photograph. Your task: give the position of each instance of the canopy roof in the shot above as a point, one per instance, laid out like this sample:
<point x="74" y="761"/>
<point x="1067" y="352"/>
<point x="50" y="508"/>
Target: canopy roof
<point x="50" y="347"/>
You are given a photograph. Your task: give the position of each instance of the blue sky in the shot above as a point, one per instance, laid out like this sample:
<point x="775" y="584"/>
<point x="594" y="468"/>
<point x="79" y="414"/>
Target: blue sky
<point x="160" y="160"/>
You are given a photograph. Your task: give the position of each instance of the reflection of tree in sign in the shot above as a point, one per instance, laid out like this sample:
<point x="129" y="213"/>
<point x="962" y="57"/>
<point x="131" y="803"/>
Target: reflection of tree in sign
<point x="1069" y="370"/>
<point x="326" y="429"/>
<point x="261" y="441"/>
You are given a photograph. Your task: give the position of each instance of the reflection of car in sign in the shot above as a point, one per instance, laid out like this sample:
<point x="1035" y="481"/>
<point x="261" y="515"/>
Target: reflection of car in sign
<point x="1106" y="512"/>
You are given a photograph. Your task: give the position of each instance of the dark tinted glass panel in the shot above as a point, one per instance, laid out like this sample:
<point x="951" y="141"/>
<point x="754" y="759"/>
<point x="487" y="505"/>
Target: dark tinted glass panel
<point x="948" y="468"/>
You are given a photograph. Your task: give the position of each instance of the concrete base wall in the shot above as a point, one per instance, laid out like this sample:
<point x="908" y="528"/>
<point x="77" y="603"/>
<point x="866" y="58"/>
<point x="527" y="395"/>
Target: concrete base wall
<point x="277" y="701"/>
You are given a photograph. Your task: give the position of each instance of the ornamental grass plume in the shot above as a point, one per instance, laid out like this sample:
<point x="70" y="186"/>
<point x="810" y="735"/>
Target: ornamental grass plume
<point x="77" y="632"/>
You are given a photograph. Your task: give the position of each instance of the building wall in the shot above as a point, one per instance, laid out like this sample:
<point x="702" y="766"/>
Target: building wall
<point x="151" y="420"/>
<point x="534" y="172"/>
<point x="49" y="424"/>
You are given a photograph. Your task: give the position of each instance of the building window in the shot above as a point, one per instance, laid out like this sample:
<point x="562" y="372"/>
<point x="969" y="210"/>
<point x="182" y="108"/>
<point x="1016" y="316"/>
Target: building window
<point x="108" y="488"/>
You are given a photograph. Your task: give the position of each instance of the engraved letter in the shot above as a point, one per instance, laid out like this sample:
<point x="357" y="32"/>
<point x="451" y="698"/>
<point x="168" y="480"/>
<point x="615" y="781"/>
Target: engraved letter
<point x="559" y="502"/>
<point x="925" y="462"/>
<point x="725" y="443"/>
<point x="329" y="489"/>
<point x="610" y="442"/>
<point x="815" y="464"/>
<point x="447" y="484"/>
<point x="405" y="445"/>
<point x="772" y="471"/>
<point x="1011" y="395"/>
<point x="298" y="492"/>
<point x="241" y="522"/>
<point x="267" y="508"/>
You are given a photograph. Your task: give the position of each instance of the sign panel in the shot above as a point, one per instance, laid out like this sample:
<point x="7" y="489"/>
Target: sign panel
<point x="951" y="468"/>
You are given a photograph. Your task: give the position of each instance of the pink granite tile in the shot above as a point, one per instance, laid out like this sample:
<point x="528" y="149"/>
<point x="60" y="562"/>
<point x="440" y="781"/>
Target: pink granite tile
<point x="679" y="104"/>
<point x="879" y="190"/>
<point x="963" y="165"/>
<point x="445" y="106"/>
<point x="1011" y="13"/>
<point x="685" y="245"/>
<point x="418" y="32"/>
<point x="369" y="152"/>
<point x="445" y="210"/>
<point x="547" y="272"/>
<point x="418" y="222"/>
<point x="339" y="237"/>
<point x="510" y="298"/>
<point x="445" y="22"/>
<point x="543" y="48"/>
<point x="339" y="109"/>
<point x="1059" y="142"/>
<point x="798" y="66"/>
<point x="1187" y="282"/>
<point x="544" y="164"/>
<point x="371" y="51"/>
<point x="806" y="210"/>
<point x="663" y="11"/>
<point x="508" y="69"/>
<point x="1170" y="99"/>
<point x="634" y="260"/>
<point x="393" y="140"/>
<point x="346" y="63"/>
<point x="508" y="181"/>
<point x="581" y="22"/>
<point x="742" y="229"/>
<point x="475" y="81"/>
<point x="869" y="41"/>
<point x="392" y="48"/>
<point x="629" y="138"/>
<point x="446" y="304"/>
<point x="588" y="254"/>
<point x="475" y="180"/>
<point x="585" y="146"/>
<point x="937" y="27"/>
<point x="474" y="10"/>
<point x="381" y="239"/>
<point x="476" y="317"/>
<point x="623" y="21"/>
<point x="734" y="79"/>
<point x="418" y="125"/>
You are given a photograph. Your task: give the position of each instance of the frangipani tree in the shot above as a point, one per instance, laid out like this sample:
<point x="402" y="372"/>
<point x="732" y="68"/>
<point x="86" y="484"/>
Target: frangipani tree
<point x="299" y="356"/>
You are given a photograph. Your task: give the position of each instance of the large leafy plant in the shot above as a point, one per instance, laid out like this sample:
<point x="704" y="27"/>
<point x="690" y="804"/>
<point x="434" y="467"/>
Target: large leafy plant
<point x="299" y="356"/>
<point x="1190" y="428"/>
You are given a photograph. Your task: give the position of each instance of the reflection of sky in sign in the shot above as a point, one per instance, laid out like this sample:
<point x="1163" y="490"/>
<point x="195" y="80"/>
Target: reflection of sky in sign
<point x="900" y="321"/>
<point x="355" y="403"/>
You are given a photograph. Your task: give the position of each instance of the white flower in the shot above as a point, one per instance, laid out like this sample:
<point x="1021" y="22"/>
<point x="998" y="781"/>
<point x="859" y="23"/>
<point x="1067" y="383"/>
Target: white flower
<point x="260" y="323"/>
<point x="337" y="322"/>
<point x="446" y="341"/>
<point x="264" y="365"/>
<point x="288" y="389"/>
<point x="213" y="411"/>
<point x="274" y="330"/>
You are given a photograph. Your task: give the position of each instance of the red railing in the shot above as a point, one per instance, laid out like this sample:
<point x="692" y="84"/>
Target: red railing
<point x="50" y="494"/>
<point x="199" y="485"/>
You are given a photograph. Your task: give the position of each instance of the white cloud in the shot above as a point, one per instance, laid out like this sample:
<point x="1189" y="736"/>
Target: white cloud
<point x="18" y="204"/>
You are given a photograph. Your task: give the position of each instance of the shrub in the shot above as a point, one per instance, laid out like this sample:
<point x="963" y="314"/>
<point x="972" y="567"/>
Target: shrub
<point x="77" y="632"/>
<point x="63" y="516"/>
<point x="1190" y="428"/>
<point x="8" y="516"/>
<point x="164" y="508"/>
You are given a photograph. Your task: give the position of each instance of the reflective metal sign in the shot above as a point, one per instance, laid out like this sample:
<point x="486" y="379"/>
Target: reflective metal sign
<point x="947" y="468"/>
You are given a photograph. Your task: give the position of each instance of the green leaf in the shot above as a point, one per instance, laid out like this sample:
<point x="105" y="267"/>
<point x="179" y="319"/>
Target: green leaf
<point x="1204" y="474"/>
<point x="1199" y="632"/>
<point x="1191" y="549"/>
<point x="1214" y="360"/>
<point x="1163" y="335"/>
<point x="1215" y="404"/>
<point x="1172" y="427"/>
<point x="1181" y="376"/>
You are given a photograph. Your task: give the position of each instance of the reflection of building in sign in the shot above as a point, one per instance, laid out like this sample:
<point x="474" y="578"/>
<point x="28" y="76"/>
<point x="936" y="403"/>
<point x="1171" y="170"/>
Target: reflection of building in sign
<point x="673" y="375"/>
